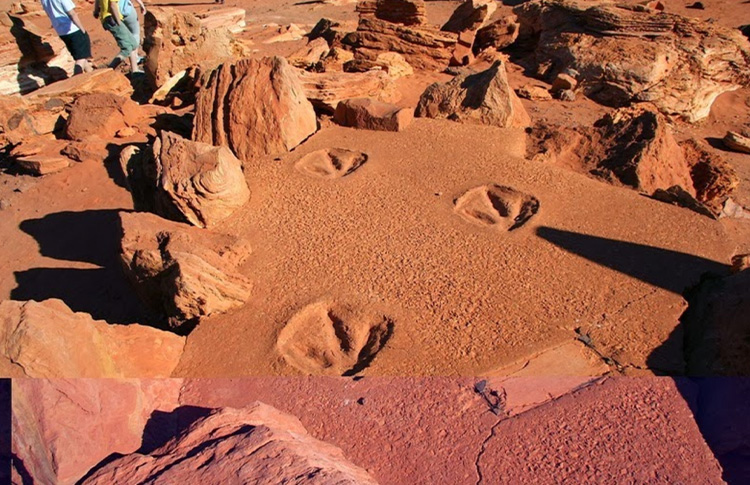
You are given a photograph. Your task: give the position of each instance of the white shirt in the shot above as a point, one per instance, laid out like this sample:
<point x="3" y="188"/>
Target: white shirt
<point x="57" y="11"/>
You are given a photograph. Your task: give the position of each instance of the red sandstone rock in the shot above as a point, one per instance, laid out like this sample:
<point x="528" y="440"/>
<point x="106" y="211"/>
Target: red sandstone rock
<point x="714" y="179"/>
<point x="482" y="98"/>
<point x="97" y="81"/>
<point x="255" y="107"/>
<point x="498" y="34"/>
<point x="183" y="272"/>
<point x="369" y="114"/>
<point x="471" y="15"/>
<point x="737" y="142"/>
<point x="49" y="340"/>
<point x="327" y="89"/>
<point x="624" y="53"/>
<point x="174" y="41"/>
<point x="403" y="12"/>
<point x="63" y="427"/>
<point x="257" y="444"/>
<point x="203" y="183"/>
<point x="101" y="115"/>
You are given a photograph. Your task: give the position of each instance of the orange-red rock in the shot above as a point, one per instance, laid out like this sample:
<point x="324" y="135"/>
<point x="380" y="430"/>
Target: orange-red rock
<point x="471" y="15"/>
<point x="369" y="114"/>
<point x="256" y="107"/>
<point x="404" y="12"/>
<point x="48" y="339"/>
<point x="257" y="444"/>
<point x="481" y="98"/>
<point x="64" y="427"/>
<point x="97" y="81"/>
<point x="326" y="90"/>
<point x="183" y="272"/>
<point x="100" y="115"/>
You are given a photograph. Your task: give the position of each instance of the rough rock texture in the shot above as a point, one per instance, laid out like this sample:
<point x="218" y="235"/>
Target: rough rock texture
<point x="423" y="47"/>
<point x="470" y="16"/>
<point x="391" y="62"/>
<point x="404" y="12"/>
<point x="175" y="40"/>
<point x="331" y="163"/>
<point x="482" y="98"/>
<point x="255" y="107"/>
<point x="328" y="338"/>
<point x="737" y="142"/>
<point x="310" y="55"/>
<point x="369" y="114"/>
<point x="714" y="179"/>
<point x="326" y="90"/>
<point x="499" y="34"/>
<point x="49" y="340"/>
<point x="230" y="18"/>
<point x="496" y="206"/>
<point x="718" y="328"/>
<point x="97" y="81"/>
<point x="641" y="152"/>
<point x="29" y="58"/>
<point x="39" y="155"/>
<point x="191" y="181"/>
<point x="629" y="53"/>
<point x="100" y="114"/>
<point x="185" y="273"/>
<point x="257" y="444"/>
<point x="63" y="427"/>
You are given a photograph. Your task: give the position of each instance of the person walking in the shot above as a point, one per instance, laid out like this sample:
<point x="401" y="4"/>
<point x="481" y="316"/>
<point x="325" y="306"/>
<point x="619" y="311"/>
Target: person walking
<point x="130" y="18"/>
<point x="67" y="24"/>
<point x="108" y="12"/>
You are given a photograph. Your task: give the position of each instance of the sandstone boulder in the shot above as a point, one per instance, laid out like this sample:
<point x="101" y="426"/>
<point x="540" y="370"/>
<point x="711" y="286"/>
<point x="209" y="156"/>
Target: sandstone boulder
<point x="64" y="427"/>
<point x="255" y="107"/>
<point x="97" y="81"/>
<point x="49" y="340"/>
<point x="100" y="115"/>
<point x="423" y="47"/>
<point x="498" y="35"/>
<point x="257" y="444"/>
<point x="40" y="155"/>
<point x="175" y="40"/>
<point x="30" y="59"/>
<point x="186" y="180"/>
<point x="535" y="93"/>
<point x="737" y="142"/>
<point x="481" y="98"/>
<point x="310" y="55"/>
<point x="230" y="18"/>
<point x="327" y="89"/>
<point x="391" y="62"/>
<point x="183" y="272"/>
<point x="403" y="12"/>
<point x="369" y="114"/>
<point x="627" y="53"/>
<point x="713" y="178"/>
<point x="471" y="15"/>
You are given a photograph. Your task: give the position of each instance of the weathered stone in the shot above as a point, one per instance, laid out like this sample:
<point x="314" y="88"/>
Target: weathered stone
<point x="737" y="142"/>
<point x="203" y="183"/>
<point x="471" y="15"/>
<point x="481" y="98"/>
<point x="714" y="180"/>
<point x="175" y="40"/>
<point x="49" y="340"/>
<point x="535" y="93"/>
<point x="403" y="12"/>
<point x="230" y="18"/>
<point x="257" y="444"/>
<point x="327" y="89"/>
<point x="255" y="107"/>
<point x="98" y="81"/>
<point x="369" y="114"/>
<point x="101" y="115"/>
<point x="625" y="53"/>
<point x="39" y="155"/>
<point x="423" y="47"/>
<point x="498" y="35"/>
<point x="391" y="62"/>
<point x="331" y="163"/>
<point x="182" y="272"/>
<point x="309" y="55"/>
<point x="30" y="59"/>
<point x="64" y="427"/>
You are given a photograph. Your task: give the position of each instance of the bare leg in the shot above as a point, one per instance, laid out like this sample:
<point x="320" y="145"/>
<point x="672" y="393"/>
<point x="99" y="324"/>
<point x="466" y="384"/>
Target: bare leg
<point x="134" y="61"/>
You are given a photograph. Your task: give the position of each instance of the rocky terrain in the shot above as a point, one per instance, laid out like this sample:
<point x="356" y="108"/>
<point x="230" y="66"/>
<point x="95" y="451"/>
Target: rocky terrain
<point x="549" y="194"/>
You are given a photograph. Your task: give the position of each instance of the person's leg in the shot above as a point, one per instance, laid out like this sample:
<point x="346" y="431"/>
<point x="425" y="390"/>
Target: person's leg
<point x="126" y="43"/>
<point x="131" y="22"/>
<point x="79" y="46"/>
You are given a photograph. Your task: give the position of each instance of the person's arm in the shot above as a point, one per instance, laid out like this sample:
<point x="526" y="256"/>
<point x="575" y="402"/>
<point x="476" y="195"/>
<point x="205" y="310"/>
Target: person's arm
<point x="96" y="9"/>
<point x="77" y="21"/>
<point x="143" y="7"/>
<point x="115" y="8"/>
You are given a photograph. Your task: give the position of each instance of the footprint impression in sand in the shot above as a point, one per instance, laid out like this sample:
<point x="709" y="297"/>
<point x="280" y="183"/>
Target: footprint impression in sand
<point x="329" y="338"/>
<point x="331" y="163"/>
<point x="496" y="206"/>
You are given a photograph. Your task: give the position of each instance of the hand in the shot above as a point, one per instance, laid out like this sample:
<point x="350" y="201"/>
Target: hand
<point x="143" y="9"/>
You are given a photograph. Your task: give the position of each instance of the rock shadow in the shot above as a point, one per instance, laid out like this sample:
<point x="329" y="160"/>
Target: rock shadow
<point x="92" y="237"/>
